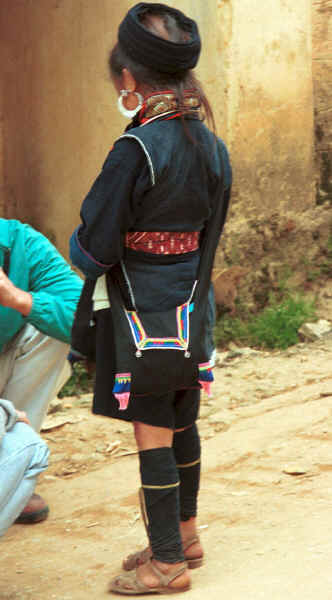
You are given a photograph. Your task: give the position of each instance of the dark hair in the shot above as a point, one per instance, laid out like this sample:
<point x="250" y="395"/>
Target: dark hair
<point x="179" y="82"/>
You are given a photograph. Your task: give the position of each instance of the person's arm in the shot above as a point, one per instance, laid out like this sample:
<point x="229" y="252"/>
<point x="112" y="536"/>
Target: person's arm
<point x="108" y="210"/>
<point x="13" y="297"/>
<point x="54" y="288"/>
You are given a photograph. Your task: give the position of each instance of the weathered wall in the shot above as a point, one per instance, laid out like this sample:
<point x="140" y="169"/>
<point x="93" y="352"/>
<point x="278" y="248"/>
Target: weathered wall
<point x="60" y="108"/>
<point x="61" y="117"/>
<point x="322" y="74"/>
<point x="2" y="174"/>
<point x="275" y="227"/>
<point x="270" y="126"/>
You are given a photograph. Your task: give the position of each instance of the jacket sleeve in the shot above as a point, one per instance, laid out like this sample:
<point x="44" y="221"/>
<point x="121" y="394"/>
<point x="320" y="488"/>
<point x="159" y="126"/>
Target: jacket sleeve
<point x="108" y="211"/>
<point x="54" y="287"/>
<point x="228" y="177"/>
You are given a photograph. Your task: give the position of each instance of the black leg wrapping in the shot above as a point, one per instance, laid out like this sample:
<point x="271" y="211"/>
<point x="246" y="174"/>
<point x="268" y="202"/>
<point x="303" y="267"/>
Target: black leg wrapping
<point x="187" y="451"/>
<point x="160" y="484"/>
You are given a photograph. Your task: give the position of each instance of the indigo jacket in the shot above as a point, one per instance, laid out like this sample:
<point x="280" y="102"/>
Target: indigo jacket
<point x="156" y="178"/>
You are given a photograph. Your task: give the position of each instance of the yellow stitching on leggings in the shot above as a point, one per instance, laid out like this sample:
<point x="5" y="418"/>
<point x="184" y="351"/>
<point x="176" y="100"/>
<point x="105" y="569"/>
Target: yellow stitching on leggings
<point x="192" y="464"/>
<point x="161" y="487"/>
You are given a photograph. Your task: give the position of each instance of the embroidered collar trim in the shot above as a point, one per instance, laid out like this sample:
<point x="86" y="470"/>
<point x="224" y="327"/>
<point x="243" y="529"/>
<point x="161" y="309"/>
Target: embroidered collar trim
<point x="165" y="103"/>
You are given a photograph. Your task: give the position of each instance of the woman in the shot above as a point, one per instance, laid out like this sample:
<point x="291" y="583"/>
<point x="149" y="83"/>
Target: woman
<point x="148" y="209"/>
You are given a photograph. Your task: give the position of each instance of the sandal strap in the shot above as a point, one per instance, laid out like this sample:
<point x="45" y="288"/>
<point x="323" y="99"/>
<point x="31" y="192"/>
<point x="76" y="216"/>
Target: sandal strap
<point x="167" y="578"/>
<point x="190" y="542"/>
<point x="128" y="584"/>
<point x="138" y="558"/>
<point x="141" y="556"/>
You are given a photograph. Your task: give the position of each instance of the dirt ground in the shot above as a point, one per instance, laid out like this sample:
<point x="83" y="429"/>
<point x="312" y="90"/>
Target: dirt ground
<point x="266" y="493"/>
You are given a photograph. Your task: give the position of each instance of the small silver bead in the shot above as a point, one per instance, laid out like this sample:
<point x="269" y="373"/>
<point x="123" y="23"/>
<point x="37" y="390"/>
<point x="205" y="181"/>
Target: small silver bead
<point x="187" y="354"/>
<point x="138" y="354"/>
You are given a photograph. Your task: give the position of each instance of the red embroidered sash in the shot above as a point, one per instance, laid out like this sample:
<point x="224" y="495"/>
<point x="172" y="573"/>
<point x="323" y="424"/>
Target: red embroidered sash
<point x="163" y="242"/>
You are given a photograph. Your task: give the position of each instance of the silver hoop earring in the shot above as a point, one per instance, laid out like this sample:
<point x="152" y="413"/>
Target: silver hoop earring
<point x="125" y="111"/>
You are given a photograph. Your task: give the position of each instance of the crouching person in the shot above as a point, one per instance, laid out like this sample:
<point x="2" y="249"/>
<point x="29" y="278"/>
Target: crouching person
<point x="23" y="455"/>
<point x="38" y="297"/>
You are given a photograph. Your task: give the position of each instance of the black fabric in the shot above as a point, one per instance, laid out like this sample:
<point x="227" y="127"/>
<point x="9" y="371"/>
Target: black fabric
<point x="154" y="52"/>
<point x="171" y="410"/>
<point x="158" y="468"/>
<point x="6" y="261"/>
<point x="123" y="198"/>
<point x="187" y="452"/>
<point x="83" y="333"/>
<point x="159" y="369"/>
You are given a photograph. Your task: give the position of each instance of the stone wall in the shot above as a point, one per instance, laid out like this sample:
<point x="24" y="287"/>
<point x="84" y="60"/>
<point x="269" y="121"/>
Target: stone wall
<point x="322" y="75"/>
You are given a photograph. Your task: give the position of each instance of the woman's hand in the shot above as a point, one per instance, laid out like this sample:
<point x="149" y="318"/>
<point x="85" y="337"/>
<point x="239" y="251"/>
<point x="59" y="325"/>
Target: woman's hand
<point x="13" y="297"/>
<point x="22" y="417"/>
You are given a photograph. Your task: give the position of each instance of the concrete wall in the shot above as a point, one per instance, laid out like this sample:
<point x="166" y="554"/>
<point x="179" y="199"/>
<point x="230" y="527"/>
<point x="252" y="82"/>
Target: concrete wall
<point x="60" y="113"/>
<point x="322" y="74"/>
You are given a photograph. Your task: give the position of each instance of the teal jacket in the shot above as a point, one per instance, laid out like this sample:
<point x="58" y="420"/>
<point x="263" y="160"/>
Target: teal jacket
<point x="36" y="266"/>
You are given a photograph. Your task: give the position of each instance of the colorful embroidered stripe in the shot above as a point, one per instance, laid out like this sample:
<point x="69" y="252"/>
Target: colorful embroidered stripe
<point x="121" y="389"/>
<point x="143" y="342"/>
<point x="137" y="327"/>
<point x="205" y="377"/>
<point x="205" y="366"/>
<point x="182" y="320"/>
<point x="161" y="343"/>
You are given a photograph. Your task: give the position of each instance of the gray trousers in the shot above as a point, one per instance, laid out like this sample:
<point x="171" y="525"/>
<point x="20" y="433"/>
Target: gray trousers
<point x="33" y="368"/>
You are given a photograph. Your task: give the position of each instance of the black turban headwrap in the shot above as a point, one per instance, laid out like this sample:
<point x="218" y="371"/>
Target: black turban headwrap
<point x="154" y="52"/>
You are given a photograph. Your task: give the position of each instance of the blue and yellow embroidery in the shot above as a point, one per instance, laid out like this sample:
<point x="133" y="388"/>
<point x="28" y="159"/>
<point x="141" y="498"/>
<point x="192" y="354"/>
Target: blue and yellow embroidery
<point x="121" y="389"/>
<point x="144" y="342"/>
<point x="205" y="377"/>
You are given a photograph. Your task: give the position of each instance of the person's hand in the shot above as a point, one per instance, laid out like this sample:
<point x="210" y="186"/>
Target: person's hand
<point x="22" y="417"/>
<point x="13" y="297"/>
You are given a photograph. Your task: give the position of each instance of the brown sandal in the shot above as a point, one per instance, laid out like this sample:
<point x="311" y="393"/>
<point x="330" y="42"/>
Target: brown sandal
<point x="130" y="585"/>
<point x="136" y="559"/>
<point x="193" y="563"/>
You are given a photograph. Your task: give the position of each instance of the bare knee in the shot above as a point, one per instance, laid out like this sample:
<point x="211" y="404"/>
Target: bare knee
<point x="149" y="437"/>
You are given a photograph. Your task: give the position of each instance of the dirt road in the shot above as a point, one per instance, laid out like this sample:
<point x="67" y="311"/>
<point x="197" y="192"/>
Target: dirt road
<point x="265" y="504"/>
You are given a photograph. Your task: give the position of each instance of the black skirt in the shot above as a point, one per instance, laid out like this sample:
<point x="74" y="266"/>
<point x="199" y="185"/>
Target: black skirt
<point x="173" y="410"/>
<point x="155" y="287"/>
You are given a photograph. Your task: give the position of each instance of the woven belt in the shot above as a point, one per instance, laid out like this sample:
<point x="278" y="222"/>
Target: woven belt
<point x="163" y="242"/>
